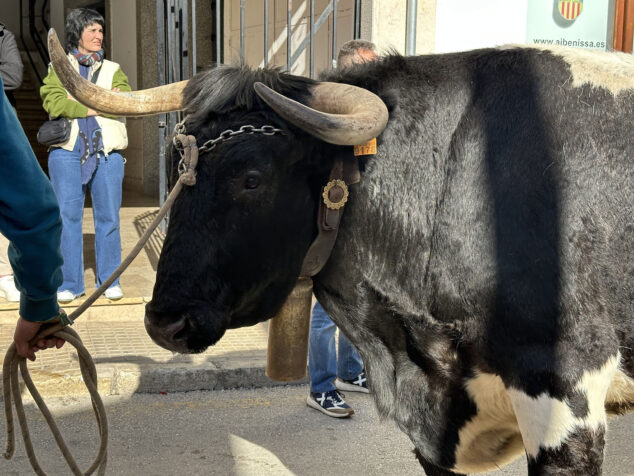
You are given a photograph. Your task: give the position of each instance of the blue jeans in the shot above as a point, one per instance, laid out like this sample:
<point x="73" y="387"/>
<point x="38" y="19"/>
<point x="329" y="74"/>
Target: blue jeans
<point x="323" y="363"/>
<point x="105" y="191"/>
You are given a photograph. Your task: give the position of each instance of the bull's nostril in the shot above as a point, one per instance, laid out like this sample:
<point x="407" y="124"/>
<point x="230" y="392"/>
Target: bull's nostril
<point x="181" y="333"/>
<point x="167" y="331"/>
<point x="172" y="329"/>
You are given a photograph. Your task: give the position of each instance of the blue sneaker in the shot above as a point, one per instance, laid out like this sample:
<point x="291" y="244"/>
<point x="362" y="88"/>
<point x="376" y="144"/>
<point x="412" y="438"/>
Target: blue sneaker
<point x="357" y="384"/>
<point x="331" y="403"/>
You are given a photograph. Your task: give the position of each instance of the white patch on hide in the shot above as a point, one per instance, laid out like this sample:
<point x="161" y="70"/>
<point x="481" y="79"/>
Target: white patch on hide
<point x="621" y="391"/>
<point x="613" y="71"/>
<point x="492" y="438"/>
<point x="546" y="422"/>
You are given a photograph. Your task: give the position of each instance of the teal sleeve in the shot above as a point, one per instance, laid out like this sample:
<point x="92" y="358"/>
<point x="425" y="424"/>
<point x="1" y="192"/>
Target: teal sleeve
<point x="30" y="219"/>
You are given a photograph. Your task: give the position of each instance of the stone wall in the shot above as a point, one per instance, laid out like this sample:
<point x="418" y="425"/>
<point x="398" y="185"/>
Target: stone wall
<point x="384" y="22"/>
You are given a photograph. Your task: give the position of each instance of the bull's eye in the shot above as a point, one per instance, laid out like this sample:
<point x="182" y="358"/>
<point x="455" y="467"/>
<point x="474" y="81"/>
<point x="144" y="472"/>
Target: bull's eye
<point x="252" y="181"/>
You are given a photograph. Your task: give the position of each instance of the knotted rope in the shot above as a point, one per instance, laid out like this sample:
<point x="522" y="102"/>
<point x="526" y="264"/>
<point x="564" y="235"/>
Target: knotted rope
<point x="59" y="329"/>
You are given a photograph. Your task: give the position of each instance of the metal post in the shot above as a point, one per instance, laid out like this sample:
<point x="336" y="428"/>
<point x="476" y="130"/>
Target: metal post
<point x="266" y="33"/>
<point x="184" y="37"/>
<point x="218" y="32"/>
<point x="193" y="37"/>
<point x="170" y="40"/>
<point x="357" y="20"/>
<point x="242" y="31"/>
<point x="334" y="33"/>
<point x="162" y="118"/>
<point x="289" y="30"/>
<point x="172" y="72"/>
<point x="410" y="37"/>
<point x="312" y="40"/>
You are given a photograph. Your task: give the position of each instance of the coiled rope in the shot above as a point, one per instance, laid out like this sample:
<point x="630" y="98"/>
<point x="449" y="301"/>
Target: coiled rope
<point x="12" y="360"/>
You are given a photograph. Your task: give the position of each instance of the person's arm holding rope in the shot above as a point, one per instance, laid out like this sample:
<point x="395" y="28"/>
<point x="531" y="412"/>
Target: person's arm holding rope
<point x="29" y="218"/>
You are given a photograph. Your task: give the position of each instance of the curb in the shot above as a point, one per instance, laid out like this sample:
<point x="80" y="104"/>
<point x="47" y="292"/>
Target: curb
<point x="243" y="365"/>
<point x="127" y="379"/>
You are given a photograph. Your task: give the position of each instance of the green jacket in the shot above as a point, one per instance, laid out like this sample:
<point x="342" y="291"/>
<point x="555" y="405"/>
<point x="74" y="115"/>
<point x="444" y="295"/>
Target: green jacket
<point x="56" y="102"/>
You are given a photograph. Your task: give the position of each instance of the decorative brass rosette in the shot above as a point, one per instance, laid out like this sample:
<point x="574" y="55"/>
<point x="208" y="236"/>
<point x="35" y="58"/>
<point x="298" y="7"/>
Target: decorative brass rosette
<point x="340" y="201"/>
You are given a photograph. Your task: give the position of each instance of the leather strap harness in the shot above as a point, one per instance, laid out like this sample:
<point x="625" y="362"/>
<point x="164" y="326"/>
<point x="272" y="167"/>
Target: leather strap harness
<point x="333" y="200"/>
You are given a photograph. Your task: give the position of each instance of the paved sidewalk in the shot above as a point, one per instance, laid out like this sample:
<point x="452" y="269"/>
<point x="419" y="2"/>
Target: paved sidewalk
<point x="128" y="361"/>
<point x="113" y="332"/>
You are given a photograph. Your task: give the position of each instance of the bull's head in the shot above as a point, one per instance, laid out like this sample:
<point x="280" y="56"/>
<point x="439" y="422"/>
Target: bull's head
<point x="236" y="240"/>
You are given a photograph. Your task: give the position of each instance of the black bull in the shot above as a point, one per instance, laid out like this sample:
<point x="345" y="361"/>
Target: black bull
<point x="485" y="262"/>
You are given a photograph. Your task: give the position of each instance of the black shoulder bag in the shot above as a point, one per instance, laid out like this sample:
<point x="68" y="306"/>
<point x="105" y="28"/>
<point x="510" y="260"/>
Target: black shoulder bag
<point x="57" y="131"/>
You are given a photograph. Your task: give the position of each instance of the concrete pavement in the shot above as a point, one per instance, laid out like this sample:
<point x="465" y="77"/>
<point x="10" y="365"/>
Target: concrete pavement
<point x="127" y="360"/>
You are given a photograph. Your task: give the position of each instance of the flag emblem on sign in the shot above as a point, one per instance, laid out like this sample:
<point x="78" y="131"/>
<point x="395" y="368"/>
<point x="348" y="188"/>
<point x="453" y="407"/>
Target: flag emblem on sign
<point x="570" y="9"/>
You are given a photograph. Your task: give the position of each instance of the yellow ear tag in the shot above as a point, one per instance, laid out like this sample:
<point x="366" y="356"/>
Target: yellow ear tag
<point x="369" y="148"/>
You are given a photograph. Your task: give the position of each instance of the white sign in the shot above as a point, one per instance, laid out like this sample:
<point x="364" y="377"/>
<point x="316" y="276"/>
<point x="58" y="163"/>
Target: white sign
<point x="577" y="23"/>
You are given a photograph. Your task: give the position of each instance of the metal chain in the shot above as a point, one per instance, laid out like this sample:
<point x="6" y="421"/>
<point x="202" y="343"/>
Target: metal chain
<point x="224" y="136"/>
<point x="229" y="134"/>
<point x="212" y="143"/>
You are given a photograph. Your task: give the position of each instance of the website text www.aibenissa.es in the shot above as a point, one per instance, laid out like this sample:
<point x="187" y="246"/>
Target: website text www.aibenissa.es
<point x="564" y="42"/>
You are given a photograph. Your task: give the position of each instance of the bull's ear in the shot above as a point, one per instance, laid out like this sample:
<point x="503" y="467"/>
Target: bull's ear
<point x="136" y="103"/>
<point x="337" y="113"/>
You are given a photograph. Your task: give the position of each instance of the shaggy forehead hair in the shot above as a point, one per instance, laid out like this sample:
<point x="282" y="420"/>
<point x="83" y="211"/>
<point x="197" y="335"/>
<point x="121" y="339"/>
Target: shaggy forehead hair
<point x="227" y="88"/>
<point x="76" y="21"/>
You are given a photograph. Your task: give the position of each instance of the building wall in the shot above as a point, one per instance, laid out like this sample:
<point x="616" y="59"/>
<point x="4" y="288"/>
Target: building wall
<point x="147" y="68"/>
<point x="122" y="25"/>
<point x="10" y="16"/>
<point x="384" y="22"/>
<point x="205" y="49"/>
<point x="446" y="25"/>
<point x="254" y="33"/>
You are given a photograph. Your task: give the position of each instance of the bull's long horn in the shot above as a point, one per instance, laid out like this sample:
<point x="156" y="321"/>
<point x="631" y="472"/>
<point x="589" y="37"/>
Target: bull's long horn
<point x="339" y="113"/>
<point x="136" y="103"/>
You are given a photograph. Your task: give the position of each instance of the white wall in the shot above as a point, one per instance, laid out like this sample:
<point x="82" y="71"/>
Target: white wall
<point x="464" y="25"/>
